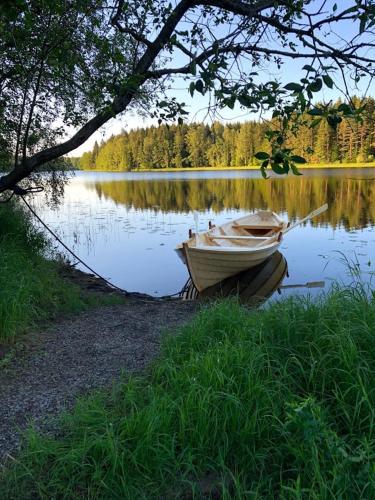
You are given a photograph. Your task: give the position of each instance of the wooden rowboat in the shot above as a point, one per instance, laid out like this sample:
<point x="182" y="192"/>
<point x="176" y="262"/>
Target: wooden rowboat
<point x="236" y="246"/>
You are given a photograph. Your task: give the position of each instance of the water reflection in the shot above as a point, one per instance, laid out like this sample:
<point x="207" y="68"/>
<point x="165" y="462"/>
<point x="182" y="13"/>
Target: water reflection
<point x="254" y="286"/>
<point x="351" y="200"/>
<point x="126" y="226"/>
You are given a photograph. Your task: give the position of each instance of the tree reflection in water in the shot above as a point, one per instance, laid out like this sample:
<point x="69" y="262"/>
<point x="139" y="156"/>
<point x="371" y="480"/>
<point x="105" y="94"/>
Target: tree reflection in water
<point x="351" y="201"/>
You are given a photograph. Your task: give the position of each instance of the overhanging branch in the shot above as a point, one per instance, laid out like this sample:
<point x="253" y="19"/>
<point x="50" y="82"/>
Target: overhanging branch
<point x="257" y="11"/>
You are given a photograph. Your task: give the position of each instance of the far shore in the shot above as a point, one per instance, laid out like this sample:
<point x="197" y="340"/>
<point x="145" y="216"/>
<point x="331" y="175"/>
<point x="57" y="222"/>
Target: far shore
<point x="306" y="166"/>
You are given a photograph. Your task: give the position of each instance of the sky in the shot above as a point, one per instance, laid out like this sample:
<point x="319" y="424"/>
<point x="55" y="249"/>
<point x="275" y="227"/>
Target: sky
<point x="197" y="105"/>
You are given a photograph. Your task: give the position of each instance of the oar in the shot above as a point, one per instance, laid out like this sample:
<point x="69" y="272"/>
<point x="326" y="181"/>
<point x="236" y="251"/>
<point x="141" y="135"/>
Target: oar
<point x="309" y="284"/>
<point x="316" y="212"/>
<point x="278" y="236"/>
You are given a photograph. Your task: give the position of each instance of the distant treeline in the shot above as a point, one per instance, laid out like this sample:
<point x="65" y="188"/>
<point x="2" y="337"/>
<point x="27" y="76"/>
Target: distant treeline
<point x="232" y="145"/>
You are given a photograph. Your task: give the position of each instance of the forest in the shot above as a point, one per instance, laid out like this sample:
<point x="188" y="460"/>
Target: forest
<point x="232" y="145"/>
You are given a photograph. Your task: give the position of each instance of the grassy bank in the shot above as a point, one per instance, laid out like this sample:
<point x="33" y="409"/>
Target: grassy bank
<point x="31" y="289"/>
<point x="269" y="404"/>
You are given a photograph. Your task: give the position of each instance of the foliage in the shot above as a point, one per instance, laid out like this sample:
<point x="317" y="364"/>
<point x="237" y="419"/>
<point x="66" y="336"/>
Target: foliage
<point x="237" y="145"/>
<point x="57" y="80"/>
<point x="32" y="290"/>
<point x="274" y="403"/>
<point x="98" y="58"/>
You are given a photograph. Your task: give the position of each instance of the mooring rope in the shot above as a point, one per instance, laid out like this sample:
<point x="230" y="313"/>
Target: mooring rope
<point x="17" y="190"/>
<point x="125" y="292"/>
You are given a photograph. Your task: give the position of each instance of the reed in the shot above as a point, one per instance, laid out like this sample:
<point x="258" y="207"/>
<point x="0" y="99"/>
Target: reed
<point x="276" y="403"/>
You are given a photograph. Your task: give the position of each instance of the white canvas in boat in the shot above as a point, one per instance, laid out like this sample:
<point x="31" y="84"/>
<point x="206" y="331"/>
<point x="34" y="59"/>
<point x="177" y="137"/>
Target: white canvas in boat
<point x="226" y="250"/>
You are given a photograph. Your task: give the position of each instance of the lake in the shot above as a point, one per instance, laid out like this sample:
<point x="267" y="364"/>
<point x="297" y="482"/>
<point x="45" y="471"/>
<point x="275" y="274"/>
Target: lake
<point x="126" y="225"/>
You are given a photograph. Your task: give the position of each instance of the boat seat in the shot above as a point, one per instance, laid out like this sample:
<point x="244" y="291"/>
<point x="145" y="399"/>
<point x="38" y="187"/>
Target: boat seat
<point x="257" y="226"/>
<point x="234" y="237"/>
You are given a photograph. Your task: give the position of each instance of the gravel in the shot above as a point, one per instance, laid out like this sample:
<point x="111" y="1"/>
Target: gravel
<point x="74" y="356"/>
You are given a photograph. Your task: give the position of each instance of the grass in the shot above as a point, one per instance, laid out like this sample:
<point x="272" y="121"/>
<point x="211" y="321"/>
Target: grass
<point x="277" y="403"/>
<point x="31" y="290"/>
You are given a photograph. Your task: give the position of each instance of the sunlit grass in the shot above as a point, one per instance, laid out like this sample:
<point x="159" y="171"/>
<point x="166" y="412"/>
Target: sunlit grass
<point x="31" y="290"/>
<point x="278" y="403"/>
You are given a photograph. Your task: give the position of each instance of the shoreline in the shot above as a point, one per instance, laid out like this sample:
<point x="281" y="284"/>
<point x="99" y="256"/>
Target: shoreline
<point x="308" y="166"/>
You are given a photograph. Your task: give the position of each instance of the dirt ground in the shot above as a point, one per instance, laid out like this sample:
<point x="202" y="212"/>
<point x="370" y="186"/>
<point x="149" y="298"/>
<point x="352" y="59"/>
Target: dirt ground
<point x="48" y="370"/>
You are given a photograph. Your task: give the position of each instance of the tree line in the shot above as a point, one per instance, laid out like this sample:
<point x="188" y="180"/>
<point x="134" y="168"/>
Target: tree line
<point x="231" y="145"/>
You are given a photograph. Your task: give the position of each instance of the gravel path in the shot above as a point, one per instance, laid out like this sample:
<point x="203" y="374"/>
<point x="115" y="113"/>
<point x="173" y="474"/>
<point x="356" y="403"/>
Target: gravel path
<point x="77" y="355"/>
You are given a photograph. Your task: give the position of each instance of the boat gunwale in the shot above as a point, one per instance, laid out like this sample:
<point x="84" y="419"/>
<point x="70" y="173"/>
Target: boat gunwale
<point x="234" y="249"/>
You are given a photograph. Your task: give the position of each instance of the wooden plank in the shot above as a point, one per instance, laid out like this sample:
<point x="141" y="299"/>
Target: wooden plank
<point x="257" y="226"/>
<point x="218" y="237"/>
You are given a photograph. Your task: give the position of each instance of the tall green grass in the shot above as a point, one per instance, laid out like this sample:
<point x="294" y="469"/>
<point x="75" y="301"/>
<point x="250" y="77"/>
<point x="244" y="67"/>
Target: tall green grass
<point x="278" y="403"/>
<point x="31" y="290"/>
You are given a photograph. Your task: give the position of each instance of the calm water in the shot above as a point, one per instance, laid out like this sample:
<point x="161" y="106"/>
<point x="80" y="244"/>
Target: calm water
<point x="126" y="225"/>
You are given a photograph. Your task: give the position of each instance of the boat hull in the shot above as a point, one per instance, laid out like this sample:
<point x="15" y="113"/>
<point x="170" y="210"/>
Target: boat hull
<point x="208" y="266"/>
<point x="252" y="287"/>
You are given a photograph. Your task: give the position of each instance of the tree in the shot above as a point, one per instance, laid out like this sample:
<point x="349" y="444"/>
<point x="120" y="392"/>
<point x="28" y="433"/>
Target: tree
<point x="180" y="151"/>
<point x="198" y="141"/>
<point x="95" y="153"/>
<point x="244" y="145"/>
<point x="86" y="161"/>
<point x="85" y="62"/>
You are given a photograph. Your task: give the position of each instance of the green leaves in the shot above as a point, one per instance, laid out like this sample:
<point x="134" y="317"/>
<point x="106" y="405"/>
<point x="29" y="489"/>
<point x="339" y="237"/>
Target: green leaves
<point x="280" y="169"/>
<point x="328" y="81"/>
<point x="297" y="159"/>
<point x="333" y="120"/>
<point x="246" y="100"/>
<point x="281" y="160"/>
<point x="309" y="68"/>
<point x="345" y="109"/>
<point x="88" y="66"/>
<point x="295" y="169"/>
<point x="230" y="101"/>
<point x="316" y="85"/>
<point x="261" y="155"/>
<point x="362" y="24"/>
<point x="294" y="87"/>
<point x="199" y="86"/>
<point x="263" y="171"/>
